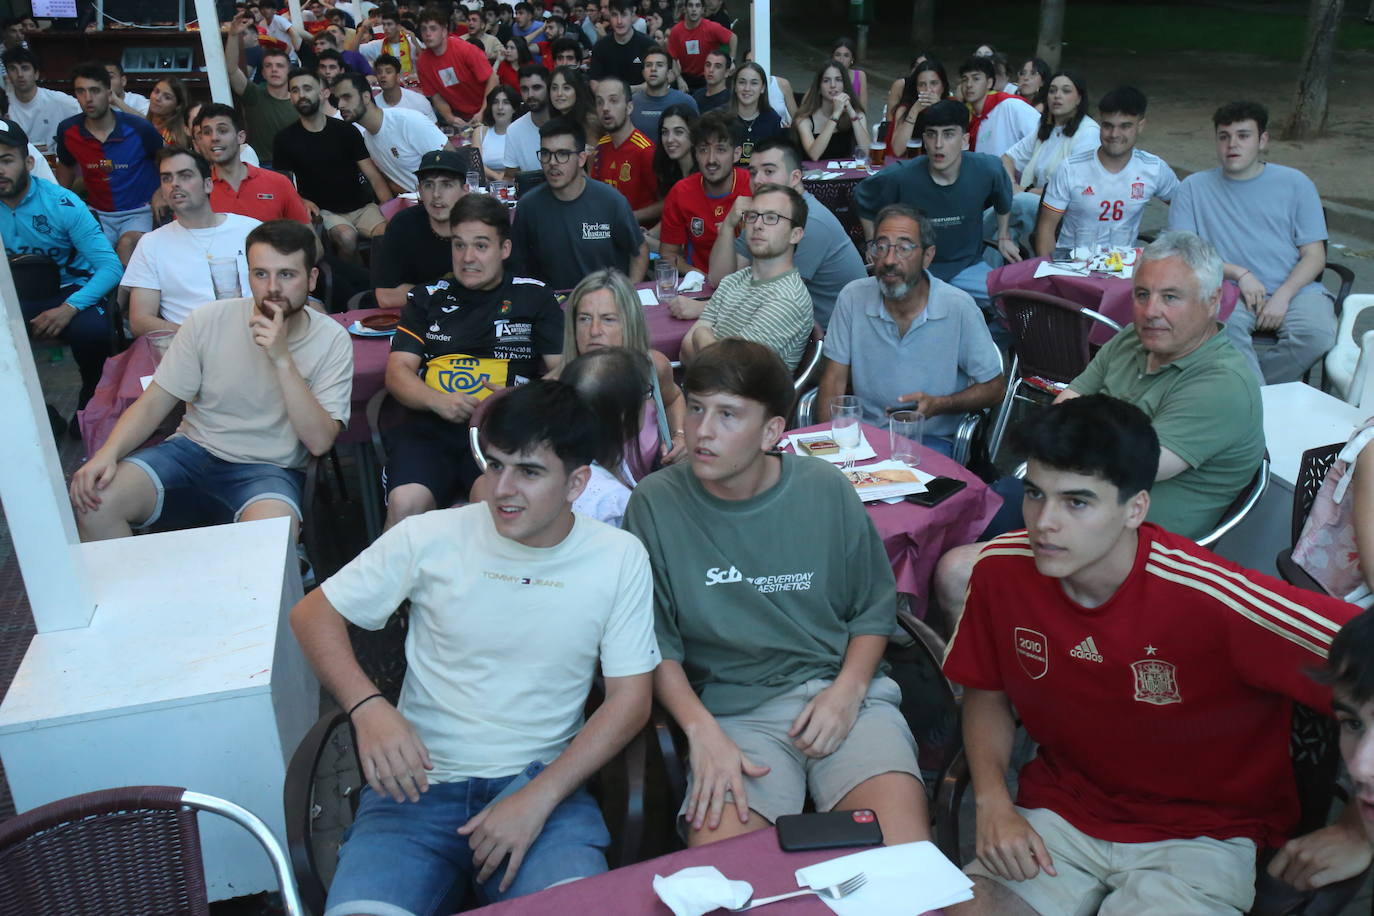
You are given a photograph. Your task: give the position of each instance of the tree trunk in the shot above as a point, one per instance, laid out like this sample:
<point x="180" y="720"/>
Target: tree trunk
<point x="1050" y="45"/>
<point x="1309" y="107"/>
<point x="923" y="25"/>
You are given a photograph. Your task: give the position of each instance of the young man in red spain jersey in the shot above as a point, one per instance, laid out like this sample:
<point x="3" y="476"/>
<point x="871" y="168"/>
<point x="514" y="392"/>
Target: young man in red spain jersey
<point x="1158" y="681"/>
<point x="696" y="205"/>
<point x="624" y="156"/>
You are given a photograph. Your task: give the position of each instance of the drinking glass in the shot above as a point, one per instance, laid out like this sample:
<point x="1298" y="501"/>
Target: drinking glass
<point x="158" y="342"/>
<point x="905" y="428"/>
<point x="844" y="421"/>
<point x="1084" y="241"/>
<point x="877" y="155"/>
<point x="665" y="280"/>
<point x="474" y="182"/>
<point x="501" y="190"/>
<point x="224" y="277"/>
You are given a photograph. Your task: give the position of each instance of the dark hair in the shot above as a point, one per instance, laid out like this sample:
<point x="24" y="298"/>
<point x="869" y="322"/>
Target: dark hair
<point x="909" y="91"/>
<point x="564" y="127"/>
<point x="725" y="53"/>
<point x="119" y="68"/>
<point x="612" y="383"/>
<point x="479" y="208"/>
<point x="538" y="70"/>
<point x="659" y="50"/>
<point x="285" y="236"/>
<point x="357" y="81"/>
<point x="387" y="60"/>
<point x="435" y="15"/>
<point x="16" y="56"/>
<point x="611" y="77"/>
<point x="274" y="51"/>
<point x="584" y="106"/>
<point x="621" y="6"/>
<point x="799" y="207"/>
<point x="812" y="101"/>
<point x="387" y="10"/>
<point x="666" y="169"/>
<point x="792" y="157"/>
<point x="522" y="50"/>
<point x="91" y="71"/>
<point x="924" y="226"/>
<point x="946" y="113"/>
<point x="328" y="54"/>
<point x="714" y="126"/>
<point x="516" y="103"/>
<point x="542" y="412"/>
<point x="167" y="152"/>
<point x="844" y="41"/>
<point x="219" y="110"/>
<point x="1042" y="68"/>
<point x="1350" y="662"/>
<point x="522" y="5"/>
<point x="559" y="45"/>
<point x="1126" y="100"/>
<point x="1047" y="120"/>
<point x="976" y="64"/>
<point x="297" y="72"/>
<point x="1095" y="435"/>
<point x="1235" y="112"/>
<point x="745" y="369"/>
<point x="4" y="103"/>
<point x="336" y="15"/>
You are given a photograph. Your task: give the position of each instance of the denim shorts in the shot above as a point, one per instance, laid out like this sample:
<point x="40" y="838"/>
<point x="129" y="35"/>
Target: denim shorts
<point x="195" y="487"/>
<point x="408" y="859"/>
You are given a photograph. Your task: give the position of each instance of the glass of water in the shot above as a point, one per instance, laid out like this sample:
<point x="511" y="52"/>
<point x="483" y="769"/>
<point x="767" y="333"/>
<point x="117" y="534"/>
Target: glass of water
<point x="905" y="428"/>
<point x="665" y="280"/>
<point x="844" y="421"/>
<point x="474" y="181"/>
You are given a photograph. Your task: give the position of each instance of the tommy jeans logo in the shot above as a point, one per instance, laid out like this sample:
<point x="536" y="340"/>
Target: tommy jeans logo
<point x="1087" y="650"/>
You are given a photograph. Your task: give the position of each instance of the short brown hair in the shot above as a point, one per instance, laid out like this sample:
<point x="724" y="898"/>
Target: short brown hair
<point x="479" y="208"/>
<point x="745" y="369"/>
<point x="799" y="207"/>
<point x="286" y="236"/>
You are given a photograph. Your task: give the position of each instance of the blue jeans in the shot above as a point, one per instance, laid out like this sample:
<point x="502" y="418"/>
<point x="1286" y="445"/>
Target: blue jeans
<point x="88" y="334"/>
<point x="408" y="859"/>
<point x="195" y="487"/>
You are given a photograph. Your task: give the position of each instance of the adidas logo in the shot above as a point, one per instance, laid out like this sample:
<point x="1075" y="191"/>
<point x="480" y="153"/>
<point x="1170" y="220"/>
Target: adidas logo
<point x="1088" y="190"/>
<point x="1087" y="650"/>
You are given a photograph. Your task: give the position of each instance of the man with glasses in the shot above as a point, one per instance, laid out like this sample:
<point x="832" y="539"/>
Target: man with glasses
<point x="906" y="340"/>
<point x="569" y="226"/>
<point x="767" y="302"/>
<point x="697" y="205"/>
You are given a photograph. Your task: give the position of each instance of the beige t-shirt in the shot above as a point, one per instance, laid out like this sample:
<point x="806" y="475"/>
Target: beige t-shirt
<point x="235" y="408"/>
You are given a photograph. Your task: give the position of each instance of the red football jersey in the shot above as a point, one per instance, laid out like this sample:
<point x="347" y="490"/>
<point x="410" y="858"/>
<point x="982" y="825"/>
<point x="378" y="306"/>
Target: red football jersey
<point x="692" y="218"/>
<point x="629" y="168"/>
<point x="1165" y="712"/>
<point x="459" y="76"/>
<point x="689" y="47"/>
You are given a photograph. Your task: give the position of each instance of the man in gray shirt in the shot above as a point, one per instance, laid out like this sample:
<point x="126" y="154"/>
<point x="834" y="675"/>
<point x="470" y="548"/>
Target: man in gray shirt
<point x="656" y="96"/>
<point x="907" y="340"/>
<point x="825" y="257"/>
<point x="1266" y="221"/>
<point x="570" y="225"/>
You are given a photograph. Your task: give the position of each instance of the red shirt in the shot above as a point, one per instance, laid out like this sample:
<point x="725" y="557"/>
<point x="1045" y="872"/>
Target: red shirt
<point x="263" y="194"/>
<point x="458" y="76"/>
<point x="692" y="218"/>
<point x="689" y="47"/>
<point x="629" y="168"/>
<point x="508" y="75"/>
<point x="1165" y="712"/>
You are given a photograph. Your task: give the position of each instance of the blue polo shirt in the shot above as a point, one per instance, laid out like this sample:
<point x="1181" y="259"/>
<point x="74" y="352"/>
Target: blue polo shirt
<point x="52" y="221"/>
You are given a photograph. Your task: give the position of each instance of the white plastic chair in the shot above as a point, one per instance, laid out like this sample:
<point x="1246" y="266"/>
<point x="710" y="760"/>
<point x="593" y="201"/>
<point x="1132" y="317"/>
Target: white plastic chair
<point x="1347" y="367"/>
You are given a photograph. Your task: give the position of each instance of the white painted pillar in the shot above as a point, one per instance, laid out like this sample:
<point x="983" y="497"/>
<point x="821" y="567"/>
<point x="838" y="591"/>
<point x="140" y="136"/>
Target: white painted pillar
<point x="37" y="507"/>
<point x="212" y="42"/>
<point x="762" y="33"/>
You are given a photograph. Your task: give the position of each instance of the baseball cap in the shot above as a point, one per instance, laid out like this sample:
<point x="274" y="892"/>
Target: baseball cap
<point x="11" y="134"/>
<point x="443" y="160"/>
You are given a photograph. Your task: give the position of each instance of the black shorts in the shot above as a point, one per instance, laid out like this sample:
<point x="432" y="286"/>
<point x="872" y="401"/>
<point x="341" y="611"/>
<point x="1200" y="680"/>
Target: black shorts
<point x="432" y="452"/>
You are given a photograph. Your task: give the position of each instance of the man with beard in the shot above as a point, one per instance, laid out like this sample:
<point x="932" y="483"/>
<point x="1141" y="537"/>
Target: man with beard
<point x="522" y="137"/>
<point x="395" y="138"/>
<point x="624" y="154"/>
<point x="39" y="217"/>
<point x="239" y="187"/>
<point x="333" y="169"/>
<point x="416" y="248"/>
<point x="169" y="274"/>
<point x="907" y="340"/>
<point x="767" y="301"/>
<point x="258" y="405"/>
<point x="696" y="205"/>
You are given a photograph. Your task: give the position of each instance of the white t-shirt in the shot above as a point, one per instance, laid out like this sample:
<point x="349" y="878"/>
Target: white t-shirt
<point x="522" y="144"/>
<point x="41" y="169"/>
<point x="1048" y="156"/>
<point x="138" y="103"/>
<point x="399" y="143"/>
<point x="410" y="100"/>
<point x="504" y="638"/>
<point x="279" y="28"/>
<point x="40" y="116"/>
<point x="176" y="261"/>
<point x="1011" y="120"/>
<point x="1090" y="196"/>
<point x="604" y="497"/>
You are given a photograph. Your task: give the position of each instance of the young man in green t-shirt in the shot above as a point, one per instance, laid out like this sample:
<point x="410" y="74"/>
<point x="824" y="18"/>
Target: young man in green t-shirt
<point x="773" y="601"/>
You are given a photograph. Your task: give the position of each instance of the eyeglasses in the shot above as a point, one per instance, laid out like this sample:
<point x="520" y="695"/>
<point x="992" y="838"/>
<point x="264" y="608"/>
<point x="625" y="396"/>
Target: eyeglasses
<point x="769" y="219"/>
<point x="903" y="249"/>
<point x="561" y="156"/>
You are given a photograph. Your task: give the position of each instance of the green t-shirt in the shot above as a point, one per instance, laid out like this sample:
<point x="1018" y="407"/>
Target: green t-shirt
<point x="757" y="596"/>
<point x="263" y="116"/>
<point x="1205" y="408"/>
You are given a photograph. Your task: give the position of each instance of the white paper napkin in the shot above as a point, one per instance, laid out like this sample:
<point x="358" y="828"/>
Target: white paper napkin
<point x="648" y="297"/>
<point x="692" y="283"/>
<point x="1050" y="269"/>
<point x="861" y="452"/>
<point x="884" y="491"/>
<point x="902" y="880"/>
<point x="700" y="889"/>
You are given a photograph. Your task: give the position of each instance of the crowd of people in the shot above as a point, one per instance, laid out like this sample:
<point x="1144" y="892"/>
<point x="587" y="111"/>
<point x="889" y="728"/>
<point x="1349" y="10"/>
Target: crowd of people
<point x="633" y="519"/>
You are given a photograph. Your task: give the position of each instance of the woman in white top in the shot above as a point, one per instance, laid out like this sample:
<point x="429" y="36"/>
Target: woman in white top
<point x="611" y="381"/>
<point x="503" y="107"/>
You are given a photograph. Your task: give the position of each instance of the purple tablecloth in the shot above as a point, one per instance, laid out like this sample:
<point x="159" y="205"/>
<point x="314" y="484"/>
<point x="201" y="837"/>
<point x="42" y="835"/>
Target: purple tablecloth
<point x="916" y="536"/>
<point x="754" y="857"/>
<point x="1109" y="295"/>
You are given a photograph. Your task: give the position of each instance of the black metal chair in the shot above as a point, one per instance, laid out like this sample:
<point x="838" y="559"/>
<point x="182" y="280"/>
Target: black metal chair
<point x="1312" y="471"/>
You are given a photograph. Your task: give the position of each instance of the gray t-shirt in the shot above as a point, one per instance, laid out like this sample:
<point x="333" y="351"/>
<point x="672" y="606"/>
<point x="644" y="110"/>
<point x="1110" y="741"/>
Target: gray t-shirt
<point x="648" y="110"/>
<point x="1258" y="223"/>
<point x="825" y="257"/>
<point x="956" y="209"/>
<point x="946" y="349"/>
<point x="560" y="242"/>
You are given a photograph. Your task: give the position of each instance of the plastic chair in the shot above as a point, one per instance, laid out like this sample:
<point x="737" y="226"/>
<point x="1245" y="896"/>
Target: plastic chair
<point x="1050" y="341"/>
<point x="134" y="849"/>
<point x="1346" y="367"/>
<point x="1312" y="471"/>
<point x="1240" y="507"/>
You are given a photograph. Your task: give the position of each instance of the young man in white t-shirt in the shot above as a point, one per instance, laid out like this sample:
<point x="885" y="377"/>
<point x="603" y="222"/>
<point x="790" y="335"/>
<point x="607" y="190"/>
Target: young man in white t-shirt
<point x="36" y="109"/>
<point x="522" y="137"/>
<point x="477" y="778"/>
<point x="168" y="276"/>
<point x="390" y="92"/>
<point x="1097" y="197"/>
<point x="396" y="138"/>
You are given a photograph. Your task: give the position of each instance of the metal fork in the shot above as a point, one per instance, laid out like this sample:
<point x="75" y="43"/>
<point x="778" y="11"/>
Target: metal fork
<point x="847" y="464"/>
<point x="834" y="892"/>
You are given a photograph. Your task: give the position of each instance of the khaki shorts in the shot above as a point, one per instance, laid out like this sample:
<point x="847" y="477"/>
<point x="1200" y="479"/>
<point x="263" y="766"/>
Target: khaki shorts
<point x="1189" y="877"/>
<point x="364" y="219"/>
<point x="880" y="742"/>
